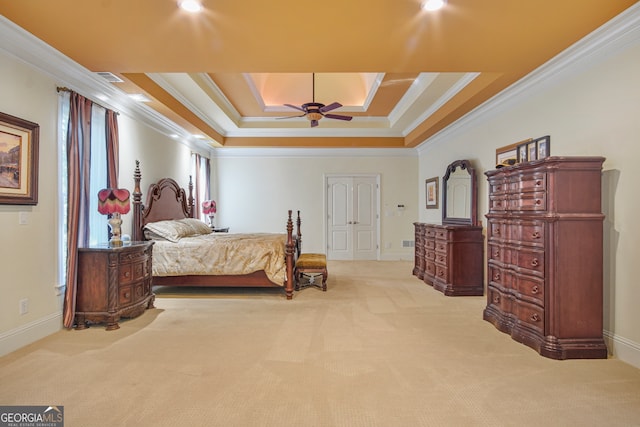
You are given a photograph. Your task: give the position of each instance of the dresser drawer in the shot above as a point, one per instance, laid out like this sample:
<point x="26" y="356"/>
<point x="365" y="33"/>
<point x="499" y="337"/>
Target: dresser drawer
<point x="528" y="202"/>
<point x="498" y="203"/>
<point x="530" y="315"/>
<point x="430" y="233"/>
<point x="441" y="246"/>
<point x="125" y="295"/>
<point x="529" y="232"/>
<point x="133" y="257"/>
<point x="499" y="276"/>
<point x="531" y="289"/>
<point x="132" y="272"/>
<point x="531" y="260"/>
<point x="430" y="244"/>
<point x="535" y="183"/>
<point x="441" y="259"/>
<point x="430" y="268"/>
<point x="502" y="301"/>
<point x="500" y="253"/>
<point x="442" y="273"/>
<point x="430" y="255"/>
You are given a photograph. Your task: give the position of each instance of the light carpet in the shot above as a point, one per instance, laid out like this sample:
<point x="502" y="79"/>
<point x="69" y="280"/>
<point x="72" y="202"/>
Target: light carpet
<point x="379" y="348"/>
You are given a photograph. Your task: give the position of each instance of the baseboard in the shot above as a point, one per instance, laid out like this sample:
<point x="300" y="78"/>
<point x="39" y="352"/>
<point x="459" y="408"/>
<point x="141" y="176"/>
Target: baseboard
<point x="623" y="349"/>
<point x="31" y="332"/>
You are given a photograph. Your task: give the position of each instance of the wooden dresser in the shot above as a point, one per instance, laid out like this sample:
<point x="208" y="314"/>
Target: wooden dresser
<point x="113" y="282"/>
<point x="450" y="258"/>
<point x="544" y="255"/>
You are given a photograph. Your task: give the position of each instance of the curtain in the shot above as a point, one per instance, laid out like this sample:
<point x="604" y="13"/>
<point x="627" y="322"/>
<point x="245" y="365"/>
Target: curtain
<point x="79" y="195"/>
<point x="202" y="173"/>
<point x="112" y="149"/>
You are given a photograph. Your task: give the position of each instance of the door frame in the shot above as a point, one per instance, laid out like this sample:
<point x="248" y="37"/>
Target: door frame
<point x="325" y="224"/>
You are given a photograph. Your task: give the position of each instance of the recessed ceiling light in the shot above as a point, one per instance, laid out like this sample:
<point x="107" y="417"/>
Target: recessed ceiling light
<point x="433" y="4"/>
<point x="190" y="5"/>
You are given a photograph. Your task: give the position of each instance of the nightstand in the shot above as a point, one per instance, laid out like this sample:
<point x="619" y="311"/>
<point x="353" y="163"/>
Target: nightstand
<point x="113" y="282"/>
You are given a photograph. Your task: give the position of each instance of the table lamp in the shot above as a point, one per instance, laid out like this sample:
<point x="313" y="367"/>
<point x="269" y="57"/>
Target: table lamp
<point x="114" y="202"/>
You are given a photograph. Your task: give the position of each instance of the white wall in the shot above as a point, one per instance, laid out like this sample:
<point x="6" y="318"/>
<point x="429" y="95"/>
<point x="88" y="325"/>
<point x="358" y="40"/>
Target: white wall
<point x="29" y="253"/>
<point x="590" y="106"/>
<point x="28" y="267"/>
<point x="254" y="190"/>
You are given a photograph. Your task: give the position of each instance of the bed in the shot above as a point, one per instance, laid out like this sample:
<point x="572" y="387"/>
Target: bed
<point x="187" y="253"/>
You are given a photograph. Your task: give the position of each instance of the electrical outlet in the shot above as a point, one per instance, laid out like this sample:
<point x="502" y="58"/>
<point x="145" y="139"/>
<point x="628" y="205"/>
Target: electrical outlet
<point x="24" y="306"/>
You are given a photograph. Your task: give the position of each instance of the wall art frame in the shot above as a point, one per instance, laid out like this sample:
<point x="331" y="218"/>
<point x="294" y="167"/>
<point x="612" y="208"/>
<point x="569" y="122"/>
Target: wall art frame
<point x="19" y="145"/>
<point x="431" y="193"/>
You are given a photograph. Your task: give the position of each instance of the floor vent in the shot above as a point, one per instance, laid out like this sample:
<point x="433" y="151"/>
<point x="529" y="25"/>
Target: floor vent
<point x="110" y="77"/>
<point x="408" y="243"/>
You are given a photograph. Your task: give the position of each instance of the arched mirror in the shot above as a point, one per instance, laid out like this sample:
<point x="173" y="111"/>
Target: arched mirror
<point x="460" y="194"/>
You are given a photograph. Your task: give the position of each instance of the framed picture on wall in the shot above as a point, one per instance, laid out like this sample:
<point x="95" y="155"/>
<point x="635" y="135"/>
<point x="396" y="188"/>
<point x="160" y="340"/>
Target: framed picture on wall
<point x="18" y="161"/>
<point x="431" y="186"/>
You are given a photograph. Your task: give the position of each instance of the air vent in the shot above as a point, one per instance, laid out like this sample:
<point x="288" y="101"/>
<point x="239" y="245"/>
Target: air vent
<point x="408" y="243"/>
<point x="110" y="77"/>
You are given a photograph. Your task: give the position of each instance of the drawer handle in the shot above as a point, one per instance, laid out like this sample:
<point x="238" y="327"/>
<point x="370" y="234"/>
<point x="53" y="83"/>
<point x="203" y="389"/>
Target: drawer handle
<point x="535" y="262"/>
<point x="496" y="254"/>
<point x="441" y="259"/>
<point x="441" y="273"/>
<point x="496" y="276"/>
<point x="126" y="274"/>
<point x="496" y="231"/>
<point x="538" y="202"/>
<point x="536" y="235"/>
<point x="538" y="183"/>
<point x="535" y="289"/>
<point x="496" y="299"/>
<point x="498" y="204"/>
<point x="534" y="317"/>
<point x="127" y="294"/>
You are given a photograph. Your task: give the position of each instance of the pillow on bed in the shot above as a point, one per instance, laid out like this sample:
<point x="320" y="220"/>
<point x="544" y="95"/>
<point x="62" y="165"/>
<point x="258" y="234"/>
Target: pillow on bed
<point x="174" y="230"/>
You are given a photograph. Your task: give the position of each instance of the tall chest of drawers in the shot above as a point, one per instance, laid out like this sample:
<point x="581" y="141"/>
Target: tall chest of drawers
<point x="544" y="255"/>
<point x="450" y="258"/>
<point x="113" y="282"/>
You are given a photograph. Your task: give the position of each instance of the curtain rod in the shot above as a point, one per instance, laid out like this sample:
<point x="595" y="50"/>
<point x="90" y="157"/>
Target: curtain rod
<point x="66" y="89"/>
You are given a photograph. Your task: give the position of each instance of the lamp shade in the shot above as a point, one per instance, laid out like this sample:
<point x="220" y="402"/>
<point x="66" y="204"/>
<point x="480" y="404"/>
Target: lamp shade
<point x="113" y="200"/>
<point x="209" y="207"/>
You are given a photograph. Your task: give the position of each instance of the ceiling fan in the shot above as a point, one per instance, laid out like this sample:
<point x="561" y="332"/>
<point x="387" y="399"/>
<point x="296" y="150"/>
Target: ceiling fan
<point x="314" y="111"/>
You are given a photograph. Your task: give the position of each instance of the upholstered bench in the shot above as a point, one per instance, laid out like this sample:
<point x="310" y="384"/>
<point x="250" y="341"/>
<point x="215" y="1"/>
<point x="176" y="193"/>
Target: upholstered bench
<point x="311" y="266"/>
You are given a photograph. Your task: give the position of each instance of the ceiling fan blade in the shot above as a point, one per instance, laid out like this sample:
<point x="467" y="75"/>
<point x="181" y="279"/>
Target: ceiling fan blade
<point x="290" y="117"/>
<point x="294" y="106"/>
<point x="314" y="123"/>
<point x="330" y="107"/>
<point x="338" y="116"/>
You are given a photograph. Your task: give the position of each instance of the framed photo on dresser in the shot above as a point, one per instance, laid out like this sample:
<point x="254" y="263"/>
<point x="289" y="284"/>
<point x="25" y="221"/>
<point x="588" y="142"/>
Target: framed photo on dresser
<point x="543" y="145"/>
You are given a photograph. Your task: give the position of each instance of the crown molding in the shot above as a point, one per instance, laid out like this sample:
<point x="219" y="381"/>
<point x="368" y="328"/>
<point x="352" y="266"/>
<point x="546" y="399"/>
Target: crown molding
<point x="611" y="38"/>
<point x="230" y="152"/>
<point x="25" y="47"/>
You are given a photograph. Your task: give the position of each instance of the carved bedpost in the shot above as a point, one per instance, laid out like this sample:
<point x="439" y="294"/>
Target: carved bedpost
<point x="192" y="210"/>
<point x="288" y="251"/>
<point x="136" y="229"/>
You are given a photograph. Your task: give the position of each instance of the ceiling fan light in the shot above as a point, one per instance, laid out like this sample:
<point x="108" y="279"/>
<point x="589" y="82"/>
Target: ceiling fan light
<point x="431" y="5"/>
<point x="190" y="5"/>
<point x="314" y="116"/>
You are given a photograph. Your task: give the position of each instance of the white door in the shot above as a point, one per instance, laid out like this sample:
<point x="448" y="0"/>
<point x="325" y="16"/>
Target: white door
<point x="352" y="217"/>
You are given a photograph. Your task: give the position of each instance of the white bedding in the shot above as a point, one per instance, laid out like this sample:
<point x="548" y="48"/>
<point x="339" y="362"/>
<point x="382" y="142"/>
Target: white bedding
<point x="222" y="253"/>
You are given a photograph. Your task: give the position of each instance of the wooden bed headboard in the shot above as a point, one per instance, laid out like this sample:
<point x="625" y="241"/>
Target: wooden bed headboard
<point x="166" y="200"/>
